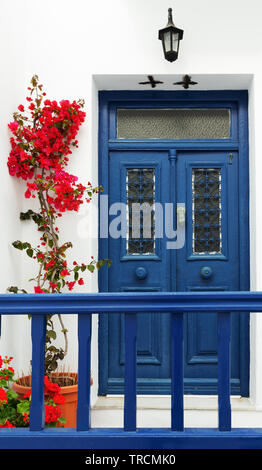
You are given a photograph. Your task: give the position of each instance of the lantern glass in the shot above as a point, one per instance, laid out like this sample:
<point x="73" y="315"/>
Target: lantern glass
<point x="175" y="42"/>
<point x="167" y="41"/>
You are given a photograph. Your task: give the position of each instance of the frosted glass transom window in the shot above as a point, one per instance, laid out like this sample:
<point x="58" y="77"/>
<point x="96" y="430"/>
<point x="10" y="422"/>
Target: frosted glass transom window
<point x="140" y="192"/>
<point x="173" y="123"/>
<point x="206" y="211"/>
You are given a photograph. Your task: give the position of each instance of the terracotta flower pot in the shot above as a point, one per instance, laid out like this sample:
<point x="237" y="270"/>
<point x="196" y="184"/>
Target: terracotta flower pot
<point x="69" y="392"/>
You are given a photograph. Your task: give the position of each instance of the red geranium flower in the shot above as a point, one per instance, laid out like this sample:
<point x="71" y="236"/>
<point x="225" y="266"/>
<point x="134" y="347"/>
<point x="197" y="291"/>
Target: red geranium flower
<point x="7" y="425"/>
<point x="59" y="399"/>
<point x="3" y="396"/>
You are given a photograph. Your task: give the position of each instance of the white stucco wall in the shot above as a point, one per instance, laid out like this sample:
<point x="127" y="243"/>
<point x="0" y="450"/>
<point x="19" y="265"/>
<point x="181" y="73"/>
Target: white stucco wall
<point x="79" y="47"/>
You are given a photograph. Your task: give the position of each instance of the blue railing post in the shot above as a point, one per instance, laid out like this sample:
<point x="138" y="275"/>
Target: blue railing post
<point x="177" y="377"/>
<point x="84" y="372"/>
<point x="224" y="371"/>
<point x="37" y="409"/>
<point x="130" y="372"/>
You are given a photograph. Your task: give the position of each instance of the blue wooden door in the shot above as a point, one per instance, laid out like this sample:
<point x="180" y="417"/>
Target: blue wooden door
<point x="143" y="160"/>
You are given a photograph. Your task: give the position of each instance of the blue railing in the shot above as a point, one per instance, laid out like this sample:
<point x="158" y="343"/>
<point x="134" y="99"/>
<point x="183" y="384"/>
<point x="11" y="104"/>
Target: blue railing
<point x="84" y="305"/>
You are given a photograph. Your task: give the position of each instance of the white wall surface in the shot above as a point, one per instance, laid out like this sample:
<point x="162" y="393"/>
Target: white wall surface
<point x="79" y="47"/>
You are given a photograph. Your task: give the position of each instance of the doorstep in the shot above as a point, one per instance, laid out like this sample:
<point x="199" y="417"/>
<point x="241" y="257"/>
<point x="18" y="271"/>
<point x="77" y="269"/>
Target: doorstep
<point x="154" y="411"/>
<point x="163" y="402"/>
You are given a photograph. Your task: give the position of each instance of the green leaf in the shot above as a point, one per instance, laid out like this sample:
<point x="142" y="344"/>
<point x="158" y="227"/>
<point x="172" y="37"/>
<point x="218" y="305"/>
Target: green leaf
<point x="91" y="268"/>
<point x="11" y="394"/>
<point x="30" y="252"/>
<point x="52" y="349"/>
<point x="26" y="215"/>
<point x="51" y="334"/>
<point x="62" y="420"/>
<point x="25" y="245"/>
<point x="23" y="407"/>
<point x="17" y="244"/>
<point x="50" y="425"/>
<point x="13" y="289"/>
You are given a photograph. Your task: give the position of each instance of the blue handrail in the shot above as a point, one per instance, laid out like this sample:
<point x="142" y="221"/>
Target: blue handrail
<point x="21" y="304"/>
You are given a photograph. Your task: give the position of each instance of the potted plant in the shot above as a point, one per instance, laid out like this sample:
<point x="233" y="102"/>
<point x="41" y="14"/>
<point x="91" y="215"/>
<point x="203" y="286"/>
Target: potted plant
<point x="15" y="409"/>
<point x="43" y="136"/>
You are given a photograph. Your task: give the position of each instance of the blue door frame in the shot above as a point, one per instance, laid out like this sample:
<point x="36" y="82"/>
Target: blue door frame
<point x="237" y="143"/>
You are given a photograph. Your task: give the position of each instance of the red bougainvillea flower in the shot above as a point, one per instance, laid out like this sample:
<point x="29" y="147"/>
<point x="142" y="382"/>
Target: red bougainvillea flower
<point x="38" y="290"/>
<point x="71" y="285"/>
<point x="49" y="141"/>
<point x="81" y="281"/>
<point x="50" y="264"/>
<point x="64" y="272"/>
<point x="28" y="193"/>
<point x="53" y="285"/>
<point x="13" y="126"/>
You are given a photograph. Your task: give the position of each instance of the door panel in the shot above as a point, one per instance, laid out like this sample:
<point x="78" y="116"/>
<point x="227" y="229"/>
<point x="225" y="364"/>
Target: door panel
<point x="140" y="263"/>
<point x="208" y="183"/>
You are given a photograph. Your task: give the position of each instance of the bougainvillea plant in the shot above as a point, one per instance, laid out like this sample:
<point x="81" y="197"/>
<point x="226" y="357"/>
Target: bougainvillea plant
<point x="15" y="412"/>
<point x="43" y="136"/>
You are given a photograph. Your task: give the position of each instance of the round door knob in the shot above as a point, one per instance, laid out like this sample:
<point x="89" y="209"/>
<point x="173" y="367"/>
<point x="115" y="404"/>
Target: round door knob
<point x="141" y="273"/>
<point x="206" y="272"/>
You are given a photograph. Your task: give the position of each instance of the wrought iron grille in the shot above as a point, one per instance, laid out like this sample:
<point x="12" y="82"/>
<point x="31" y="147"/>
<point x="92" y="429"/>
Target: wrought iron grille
<point x="206" y="211"/>
<point x="140" y="194"/>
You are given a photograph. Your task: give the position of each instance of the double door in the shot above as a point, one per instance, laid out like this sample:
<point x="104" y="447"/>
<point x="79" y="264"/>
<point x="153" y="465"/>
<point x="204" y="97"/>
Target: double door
<point x="197" y="192"/>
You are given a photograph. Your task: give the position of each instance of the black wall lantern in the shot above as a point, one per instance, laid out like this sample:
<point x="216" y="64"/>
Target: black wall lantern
<point x="170" y="37"/>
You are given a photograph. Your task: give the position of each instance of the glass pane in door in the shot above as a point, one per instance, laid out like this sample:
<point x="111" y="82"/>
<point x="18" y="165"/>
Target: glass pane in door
<point x="173" y="123"/>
